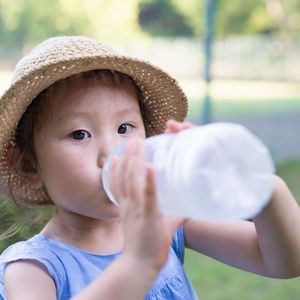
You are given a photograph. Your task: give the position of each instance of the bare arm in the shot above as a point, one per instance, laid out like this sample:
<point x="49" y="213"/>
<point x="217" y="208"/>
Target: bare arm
<point x="269" y="246"/>
<point x="278" y="233"/>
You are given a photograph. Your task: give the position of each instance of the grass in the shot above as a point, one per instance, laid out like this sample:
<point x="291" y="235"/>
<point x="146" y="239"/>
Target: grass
<point x="213" y="280"/>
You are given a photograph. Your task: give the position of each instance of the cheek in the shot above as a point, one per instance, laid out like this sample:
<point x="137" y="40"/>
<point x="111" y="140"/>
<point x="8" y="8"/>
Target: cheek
<point x="65" y="167"/>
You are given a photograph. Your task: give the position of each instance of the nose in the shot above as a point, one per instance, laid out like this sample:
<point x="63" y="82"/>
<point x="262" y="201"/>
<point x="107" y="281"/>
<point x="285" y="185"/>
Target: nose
<point x="101" y="161"/>
<point x="105" y="148"/>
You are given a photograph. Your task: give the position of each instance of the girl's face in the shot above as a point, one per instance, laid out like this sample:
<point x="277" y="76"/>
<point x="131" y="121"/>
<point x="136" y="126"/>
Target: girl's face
<point x="84" y="125"/>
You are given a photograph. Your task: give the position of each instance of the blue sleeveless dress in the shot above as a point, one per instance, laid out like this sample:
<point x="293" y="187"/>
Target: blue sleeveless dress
<point x="72" y="269"/>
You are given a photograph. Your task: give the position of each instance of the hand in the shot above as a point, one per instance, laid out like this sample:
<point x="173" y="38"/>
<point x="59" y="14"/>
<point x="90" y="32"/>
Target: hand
<point x="173" y="126"/>
<point x="147" y="233"/>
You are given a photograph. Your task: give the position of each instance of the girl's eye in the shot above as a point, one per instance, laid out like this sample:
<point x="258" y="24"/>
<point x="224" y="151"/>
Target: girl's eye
<point x="125" y="128"/>
<point x="80" y="135"/>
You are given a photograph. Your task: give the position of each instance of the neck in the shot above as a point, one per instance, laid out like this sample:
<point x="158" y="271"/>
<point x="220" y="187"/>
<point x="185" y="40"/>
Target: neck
<point x="93" y="235"/>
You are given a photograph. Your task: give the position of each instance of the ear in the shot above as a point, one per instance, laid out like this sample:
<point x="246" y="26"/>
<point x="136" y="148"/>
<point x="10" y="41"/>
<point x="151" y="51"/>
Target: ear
<point x="17" y="163"/>
<point x="33" y="179"/>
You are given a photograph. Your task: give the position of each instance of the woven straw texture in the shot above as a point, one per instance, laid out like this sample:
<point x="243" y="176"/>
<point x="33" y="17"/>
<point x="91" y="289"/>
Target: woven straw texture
<point x="61" y="57"/>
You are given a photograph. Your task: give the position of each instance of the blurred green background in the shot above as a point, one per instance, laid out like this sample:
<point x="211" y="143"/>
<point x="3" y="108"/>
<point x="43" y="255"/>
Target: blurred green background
<point x="255" y="72"/>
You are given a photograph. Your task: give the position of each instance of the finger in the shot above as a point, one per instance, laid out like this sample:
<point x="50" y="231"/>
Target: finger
<point x="151" y="204"/>
<point x="135" y="173"/>
<point x="118" y="171"/>
<point x="173" y="126"/>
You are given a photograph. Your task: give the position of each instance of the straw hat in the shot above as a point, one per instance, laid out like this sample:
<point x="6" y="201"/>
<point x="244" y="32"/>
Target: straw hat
<point x="61" y="57"/>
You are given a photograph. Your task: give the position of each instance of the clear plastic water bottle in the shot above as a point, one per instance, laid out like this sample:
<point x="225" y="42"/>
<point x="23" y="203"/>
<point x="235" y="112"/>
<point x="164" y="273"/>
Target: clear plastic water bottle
<point x="219" y="171"/>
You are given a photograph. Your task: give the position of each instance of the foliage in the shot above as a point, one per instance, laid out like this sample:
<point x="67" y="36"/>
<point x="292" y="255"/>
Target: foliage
<point x="20" y="223"/>
<point x="27" y="22"/>
<point x="240" y="16"/>
<point x="257" y="16"/>
<point x="23" y="23"/>
<point x="107" y="20"/>
<point x="232" y="17"/>
<point x="161" y="18"/>
<point x="193" y="11"/>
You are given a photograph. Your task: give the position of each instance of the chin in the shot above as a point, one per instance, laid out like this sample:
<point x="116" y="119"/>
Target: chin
<point x="106" y="213"/>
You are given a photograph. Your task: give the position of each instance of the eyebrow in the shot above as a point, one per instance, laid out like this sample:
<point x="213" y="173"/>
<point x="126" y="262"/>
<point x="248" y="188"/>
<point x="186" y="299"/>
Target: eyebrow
<point x="127" y="111"/>
<point x="74" y="115"/>
<point x="87" y="114"/>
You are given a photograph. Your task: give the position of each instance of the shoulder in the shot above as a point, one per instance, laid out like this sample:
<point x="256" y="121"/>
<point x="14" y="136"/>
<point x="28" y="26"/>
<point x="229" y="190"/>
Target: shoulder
<point x="19" y="285"/>
<point x="35" y="256"/>
<point x="36" y="248"/>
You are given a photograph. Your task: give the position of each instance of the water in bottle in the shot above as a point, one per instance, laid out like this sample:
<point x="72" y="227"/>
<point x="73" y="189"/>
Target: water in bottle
<point x="219" y="171"/>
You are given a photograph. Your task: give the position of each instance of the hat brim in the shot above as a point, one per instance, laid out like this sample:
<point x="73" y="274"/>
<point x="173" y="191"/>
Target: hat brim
<point x="161" y="95"/>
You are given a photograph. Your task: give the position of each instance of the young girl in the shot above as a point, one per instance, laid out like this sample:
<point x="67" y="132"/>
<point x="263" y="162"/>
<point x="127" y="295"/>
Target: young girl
<point x="71" y="102"/>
